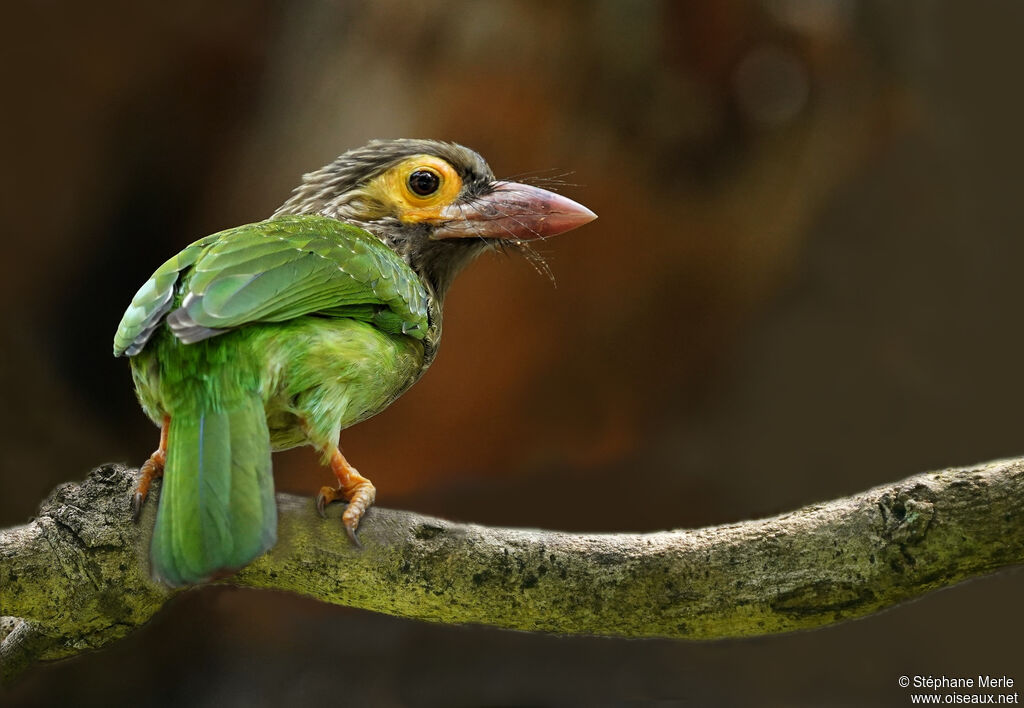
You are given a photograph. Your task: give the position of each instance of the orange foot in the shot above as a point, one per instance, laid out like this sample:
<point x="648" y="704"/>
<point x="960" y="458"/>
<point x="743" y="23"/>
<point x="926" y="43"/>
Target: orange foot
<point x="152" y="468"/>
<point x="352" y="487"/>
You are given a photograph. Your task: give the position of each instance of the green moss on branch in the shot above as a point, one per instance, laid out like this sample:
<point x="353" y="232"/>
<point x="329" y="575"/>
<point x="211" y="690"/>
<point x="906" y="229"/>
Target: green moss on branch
<point x="75" y="577"/>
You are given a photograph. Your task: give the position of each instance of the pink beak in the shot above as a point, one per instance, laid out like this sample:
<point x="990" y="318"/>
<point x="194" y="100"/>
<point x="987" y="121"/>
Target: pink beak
<point x="513" y="211"/>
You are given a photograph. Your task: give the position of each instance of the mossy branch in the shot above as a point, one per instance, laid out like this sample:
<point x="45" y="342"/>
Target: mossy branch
<point x="76" y="578"/>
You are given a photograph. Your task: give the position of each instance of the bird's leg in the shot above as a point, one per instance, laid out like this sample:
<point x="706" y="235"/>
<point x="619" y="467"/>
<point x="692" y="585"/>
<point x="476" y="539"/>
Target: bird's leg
<point x="153" y="467"/>
<point x="352" y="487"/>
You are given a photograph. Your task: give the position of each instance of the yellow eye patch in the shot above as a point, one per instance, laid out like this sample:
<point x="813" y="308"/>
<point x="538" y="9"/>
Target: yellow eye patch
<point x="418" y="187"/>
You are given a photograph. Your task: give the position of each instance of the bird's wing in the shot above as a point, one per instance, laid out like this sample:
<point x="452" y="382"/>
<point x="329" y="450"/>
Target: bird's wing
<point x="277" y="270"/>
<point x="154" y="300"/>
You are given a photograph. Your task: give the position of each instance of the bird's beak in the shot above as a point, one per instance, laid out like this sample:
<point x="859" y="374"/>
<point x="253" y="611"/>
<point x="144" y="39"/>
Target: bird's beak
<point x="512" y="211"/>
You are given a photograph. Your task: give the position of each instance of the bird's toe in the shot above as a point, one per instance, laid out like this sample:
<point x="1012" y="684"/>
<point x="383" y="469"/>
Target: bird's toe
<point x="326" y="496"/>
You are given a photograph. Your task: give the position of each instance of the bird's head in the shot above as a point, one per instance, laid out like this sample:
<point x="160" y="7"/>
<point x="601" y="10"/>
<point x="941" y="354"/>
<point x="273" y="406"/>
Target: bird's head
<point x="437" y="204"/>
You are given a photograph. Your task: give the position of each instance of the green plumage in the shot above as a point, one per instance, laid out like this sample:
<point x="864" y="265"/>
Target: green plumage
<point x="276" y="270"/>
<point x="284" y="332"/>
<point x="262" y="337"/>
<point x="217" y="506"/>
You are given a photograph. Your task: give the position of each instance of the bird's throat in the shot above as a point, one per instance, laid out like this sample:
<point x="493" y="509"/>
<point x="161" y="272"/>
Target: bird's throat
<point x="438" y="262"/>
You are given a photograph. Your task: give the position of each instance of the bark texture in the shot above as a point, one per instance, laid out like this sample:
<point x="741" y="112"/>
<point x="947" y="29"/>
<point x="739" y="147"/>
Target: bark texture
<point x="76" y="577"/>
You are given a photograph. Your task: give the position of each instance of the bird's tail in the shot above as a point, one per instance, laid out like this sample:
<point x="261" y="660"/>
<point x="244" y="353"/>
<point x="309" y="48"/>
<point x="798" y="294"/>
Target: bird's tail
<point x="217" y="509"/>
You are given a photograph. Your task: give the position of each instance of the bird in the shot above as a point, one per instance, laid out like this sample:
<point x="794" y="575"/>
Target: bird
<point x="283" y="332"/>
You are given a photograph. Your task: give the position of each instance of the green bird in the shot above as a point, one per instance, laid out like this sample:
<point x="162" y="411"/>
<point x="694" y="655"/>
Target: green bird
<point x="284" y="332"/>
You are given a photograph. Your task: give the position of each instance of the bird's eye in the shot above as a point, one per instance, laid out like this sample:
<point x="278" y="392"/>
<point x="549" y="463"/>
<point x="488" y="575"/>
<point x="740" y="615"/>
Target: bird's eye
<point x="423" y="183"/>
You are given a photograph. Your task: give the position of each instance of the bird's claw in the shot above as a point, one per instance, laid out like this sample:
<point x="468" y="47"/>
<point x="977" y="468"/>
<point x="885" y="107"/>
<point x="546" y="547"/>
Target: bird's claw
<point x="360" y="497"/>
<point x="359" y="500"/>
<point x="326" y="496"/>
<point x="151" y="468"/>
<point x="137" y="501"/>
<point x="351" y="531"/>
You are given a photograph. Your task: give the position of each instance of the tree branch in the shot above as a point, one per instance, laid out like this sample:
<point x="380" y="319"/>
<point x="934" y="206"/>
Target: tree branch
<point x="76" y="577"/>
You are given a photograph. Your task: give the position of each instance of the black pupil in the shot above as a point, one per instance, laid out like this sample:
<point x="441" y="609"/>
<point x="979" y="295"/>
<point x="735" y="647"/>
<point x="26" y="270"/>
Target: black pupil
<point x="424" y="182"/>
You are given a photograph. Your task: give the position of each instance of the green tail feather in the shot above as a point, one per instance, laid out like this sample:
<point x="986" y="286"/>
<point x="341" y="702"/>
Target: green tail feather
<point x="217" y="509"/>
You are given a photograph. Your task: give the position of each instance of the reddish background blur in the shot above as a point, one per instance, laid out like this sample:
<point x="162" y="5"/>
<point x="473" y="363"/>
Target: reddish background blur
<point x="805" y="281"/>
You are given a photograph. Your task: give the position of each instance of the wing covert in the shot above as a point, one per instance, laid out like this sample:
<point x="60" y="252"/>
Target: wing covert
<point x="153" y="301"/>
<point x="279" y="269"/>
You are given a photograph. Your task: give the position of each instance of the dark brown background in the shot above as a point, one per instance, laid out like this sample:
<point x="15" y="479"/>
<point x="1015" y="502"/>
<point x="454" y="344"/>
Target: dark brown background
<point x="805" y="281"/>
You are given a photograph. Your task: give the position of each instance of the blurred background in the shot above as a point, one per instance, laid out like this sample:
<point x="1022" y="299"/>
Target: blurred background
<point x="805" y="281"/>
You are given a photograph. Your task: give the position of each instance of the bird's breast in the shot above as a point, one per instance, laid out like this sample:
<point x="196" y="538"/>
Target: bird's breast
<point x="322" y="375"/>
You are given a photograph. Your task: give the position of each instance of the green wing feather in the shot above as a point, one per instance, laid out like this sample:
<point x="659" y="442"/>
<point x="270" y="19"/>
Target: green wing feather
<point x="273" y="271"/>
<point x="298" y="265"/>
<point x="153" y="300"/>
